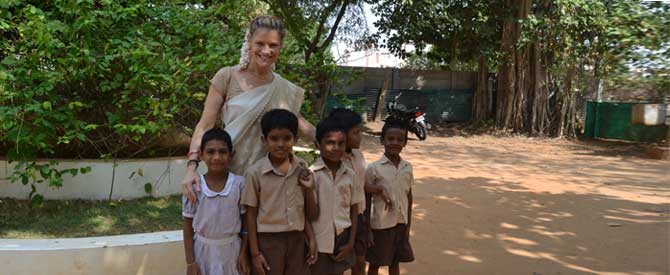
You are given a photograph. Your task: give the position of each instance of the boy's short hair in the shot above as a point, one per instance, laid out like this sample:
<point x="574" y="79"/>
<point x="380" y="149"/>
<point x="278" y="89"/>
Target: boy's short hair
<point x="347" y="118"/>
<point x="216" y="134"/>
<point x="394" y="124"/>
<point x="279" y="119"/>
<point x="328" y="125"/>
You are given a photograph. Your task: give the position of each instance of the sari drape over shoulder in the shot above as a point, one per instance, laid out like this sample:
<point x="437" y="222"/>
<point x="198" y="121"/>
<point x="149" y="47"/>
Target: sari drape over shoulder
<point x="242" y="112"/>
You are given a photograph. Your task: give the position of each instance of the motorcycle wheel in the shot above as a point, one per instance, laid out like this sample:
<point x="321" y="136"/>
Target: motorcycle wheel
<point x="420" y="132"/>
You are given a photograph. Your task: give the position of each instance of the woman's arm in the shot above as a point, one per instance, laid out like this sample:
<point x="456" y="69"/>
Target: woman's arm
<point x="213" y="105"/>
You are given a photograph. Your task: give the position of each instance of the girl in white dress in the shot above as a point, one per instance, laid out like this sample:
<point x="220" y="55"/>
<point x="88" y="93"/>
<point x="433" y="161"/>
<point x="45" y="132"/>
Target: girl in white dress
<point x="213" y="224"/>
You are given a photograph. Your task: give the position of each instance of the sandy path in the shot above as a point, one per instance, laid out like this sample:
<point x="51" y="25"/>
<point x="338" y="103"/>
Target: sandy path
<point x="490" y="205"/>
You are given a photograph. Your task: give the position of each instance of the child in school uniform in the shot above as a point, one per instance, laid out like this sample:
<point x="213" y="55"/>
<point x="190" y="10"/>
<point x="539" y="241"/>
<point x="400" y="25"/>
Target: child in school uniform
<point x="338" y="196"/>
<point x="351" y="122"/>
<point x="279" y="197"/>
<point x="390" y="181"/>
<point x="213" y="223"/>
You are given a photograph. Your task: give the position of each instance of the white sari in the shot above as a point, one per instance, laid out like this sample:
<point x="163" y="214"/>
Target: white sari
<point x="242" y="114"/>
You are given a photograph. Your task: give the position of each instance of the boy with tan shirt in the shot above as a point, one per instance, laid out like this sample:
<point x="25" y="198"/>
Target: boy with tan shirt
<point x="351" y="122"/>
<point x="338" y="195"/>
<point x="390" y="181"/>
<point x="279" y="196"/>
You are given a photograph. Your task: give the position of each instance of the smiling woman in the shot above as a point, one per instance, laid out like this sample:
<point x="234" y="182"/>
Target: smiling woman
<point x="241" y="94"/>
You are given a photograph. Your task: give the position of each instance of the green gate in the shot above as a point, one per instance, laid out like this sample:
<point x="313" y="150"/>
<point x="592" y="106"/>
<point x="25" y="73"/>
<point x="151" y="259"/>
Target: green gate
<point x="612" y="120"/>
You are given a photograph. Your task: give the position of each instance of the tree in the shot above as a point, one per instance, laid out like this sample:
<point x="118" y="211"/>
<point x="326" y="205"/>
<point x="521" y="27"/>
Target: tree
<point x="451" y="33"/>
<point x="313" y="25"/>
<point x="545" y="51"/>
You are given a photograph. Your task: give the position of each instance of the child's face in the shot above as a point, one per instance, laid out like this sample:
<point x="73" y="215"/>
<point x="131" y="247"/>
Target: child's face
<point x="354" y="137"/>
<point x="279" y="142"/>
<point x="332" y="146"/>
<point x="216" y="155"/>
<point x="394" y="140"/>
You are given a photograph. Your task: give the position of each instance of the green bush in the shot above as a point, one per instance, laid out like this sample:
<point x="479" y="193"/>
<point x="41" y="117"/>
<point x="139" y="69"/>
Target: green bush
<point x="107" y="79"/>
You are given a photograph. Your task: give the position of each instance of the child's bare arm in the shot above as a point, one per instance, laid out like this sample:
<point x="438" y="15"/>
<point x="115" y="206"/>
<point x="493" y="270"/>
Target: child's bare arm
<point x="349" y="247"/>
<point x="258" y="260"/>
<point x="243" y="258"/>
<point x="188" y="241"/>
<point x="410" y="200"/>
<point x="311" y="204"/>
<point x="311" y="240"/>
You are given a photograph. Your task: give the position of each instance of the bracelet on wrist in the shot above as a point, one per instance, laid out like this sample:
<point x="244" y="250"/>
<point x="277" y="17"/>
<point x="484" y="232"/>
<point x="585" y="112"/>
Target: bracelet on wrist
<point x="197" y="153"/>
<point x="197" y="162"/>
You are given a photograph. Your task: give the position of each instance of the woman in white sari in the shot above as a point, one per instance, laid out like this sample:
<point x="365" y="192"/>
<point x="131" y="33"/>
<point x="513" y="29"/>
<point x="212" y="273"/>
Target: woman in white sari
<point x="242" y="94"/>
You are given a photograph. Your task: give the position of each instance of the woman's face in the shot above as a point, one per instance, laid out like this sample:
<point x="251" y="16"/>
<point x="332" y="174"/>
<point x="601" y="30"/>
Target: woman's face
<point x="265" y="47"/>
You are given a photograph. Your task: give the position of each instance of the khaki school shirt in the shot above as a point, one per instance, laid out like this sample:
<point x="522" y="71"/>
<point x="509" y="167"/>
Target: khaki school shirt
<point x="356" y="161"/>
<point x="336" y="196"/>
<point x="277" y="196"/>
<point x="398" y="183"/>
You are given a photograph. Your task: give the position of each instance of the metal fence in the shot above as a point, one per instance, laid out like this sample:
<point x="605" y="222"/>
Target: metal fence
<point x="439" y="105"/>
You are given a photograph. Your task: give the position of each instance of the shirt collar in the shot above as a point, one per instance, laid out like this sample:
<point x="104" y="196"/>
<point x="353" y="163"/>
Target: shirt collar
<point x="319" y="165"/>
<point x="266" y="166"/>
<point x="386" y="160"/>
<point x="226" y="190"/>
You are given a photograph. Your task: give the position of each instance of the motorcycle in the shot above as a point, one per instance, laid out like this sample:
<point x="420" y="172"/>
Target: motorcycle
<point x="415" y="119"/>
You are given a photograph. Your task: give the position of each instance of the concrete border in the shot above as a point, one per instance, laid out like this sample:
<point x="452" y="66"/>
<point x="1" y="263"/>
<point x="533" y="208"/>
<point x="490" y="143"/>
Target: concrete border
<point x="122" y="179"/>
<point x="148" y="253"/>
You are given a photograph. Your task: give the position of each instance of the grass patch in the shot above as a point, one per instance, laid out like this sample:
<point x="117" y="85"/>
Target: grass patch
<point x="80" y="218"/>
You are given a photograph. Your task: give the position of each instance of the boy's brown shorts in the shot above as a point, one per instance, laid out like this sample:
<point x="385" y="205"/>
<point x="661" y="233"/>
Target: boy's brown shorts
<point x="391" y="246"/>
<point x="285" y="252"/>
<point x="361" y="243"/>
<point x="326" y="264"/>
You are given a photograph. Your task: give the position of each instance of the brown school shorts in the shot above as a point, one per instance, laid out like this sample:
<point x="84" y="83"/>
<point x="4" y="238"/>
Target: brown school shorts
<point x="326" y="264"/>
<point x="391" y="245"/>
<point x="285" y="252"/>
<point x="361" y="243"/>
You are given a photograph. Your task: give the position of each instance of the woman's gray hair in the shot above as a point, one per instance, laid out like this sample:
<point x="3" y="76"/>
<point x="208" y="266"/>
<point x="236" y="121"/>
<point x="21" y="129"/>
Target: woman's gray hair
<point x="260" y="22"/>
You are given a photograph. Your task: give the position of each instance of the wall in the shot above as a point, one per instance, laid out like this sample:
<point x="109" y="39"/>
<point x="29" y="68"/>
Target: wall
<point x="164" y="174"/>
<point x="406" y="79"/>
<point x="141" y="254"/>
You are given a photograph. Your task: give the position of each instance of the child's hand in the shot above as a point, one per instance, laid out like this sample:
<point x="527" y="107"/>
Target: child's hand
<point x="313" y="253"/>
<point x="260" y="264"/>
<point x="387" y="200"/>
<point x="306" y="179"/>
<point x="192" y="269"/>
<point x="243" y="264"/>
<point x="344" y="252"/>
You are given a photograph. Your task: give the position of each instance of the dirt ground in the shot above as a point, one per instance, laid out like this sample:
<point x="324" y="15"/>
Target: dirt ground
<point x="512" y="205"/>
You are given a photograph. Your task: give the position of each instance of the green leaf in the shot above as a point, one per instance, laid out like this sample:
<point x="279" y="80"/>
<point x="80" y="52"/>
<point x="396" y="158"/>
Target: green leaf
<point x="46" y="105"/>
<point x="148" y="187"/>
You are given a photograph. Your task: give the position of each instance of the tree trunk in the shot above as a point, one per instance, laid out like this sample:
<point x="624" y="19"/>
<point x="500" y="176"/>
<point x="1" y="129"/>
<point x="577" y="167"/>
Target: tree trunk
<point x="382" y="96"/>
<point x="480" y="101"/>
<point x="513" y="71"/>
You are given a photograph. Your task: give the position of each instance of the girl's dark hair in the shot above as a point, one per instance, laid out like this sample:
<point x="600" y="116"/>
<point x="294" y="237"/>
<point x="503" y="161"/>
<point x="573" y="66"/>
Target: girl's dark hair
<point x="279" y="119"/>
<point x="394" y="124"/>
<point x="328" y="125"/>
<point x="347" y="118"/>
<point x="216" y="134"/>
